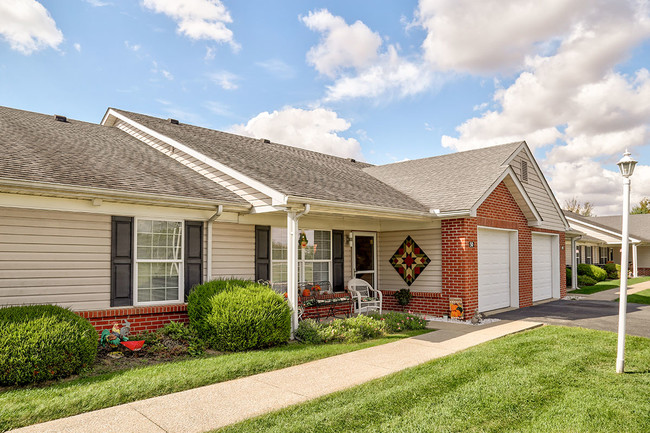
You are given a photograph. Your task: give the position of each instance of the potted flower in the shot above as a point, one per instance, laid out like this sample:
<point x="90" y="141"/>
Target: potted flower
<point x="403" y="297"/>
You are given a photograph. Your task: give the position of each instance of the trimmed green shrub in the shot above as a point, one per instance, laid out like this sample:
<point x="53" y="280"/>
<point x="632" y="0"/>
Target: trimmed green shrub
<point x="43" y="342"/>
<point x="198" y="303"/>
<point x="352" y="330"/>
<point x="585" y="280"/>
<point x="613" y="271"/>
<point x="568" y="277"/>
<point x="398" y="322"/>
<point x="307" y="331"/>
<point x="248" y="317"/>
<point x="592" y="271"/>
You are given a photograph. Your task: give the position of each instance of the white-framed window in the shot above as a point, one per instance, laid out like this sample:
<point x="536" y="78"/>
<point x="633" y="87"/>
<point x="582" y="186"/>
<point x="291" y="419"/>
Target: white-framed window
<point x="314" y="261"/>
<point x="158" y="272"/>
<point x="588" y="255"/>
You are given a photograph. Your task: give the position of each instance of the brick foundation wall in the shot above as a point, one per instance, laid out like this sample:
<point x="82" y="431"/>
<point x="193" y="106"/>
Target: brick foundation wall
<point x="141" y="318"/>
<point x="430" y="304"/>
<point x="643" y="272"/>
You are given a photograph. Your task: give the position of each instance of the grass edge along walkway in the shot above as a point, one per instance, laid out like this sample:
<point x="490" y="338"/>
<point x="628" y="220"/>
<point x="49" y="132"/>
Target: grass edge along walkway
<point x="550" y="379"/>
<point x="25" y="406"/>
<point x="606" y="285"/>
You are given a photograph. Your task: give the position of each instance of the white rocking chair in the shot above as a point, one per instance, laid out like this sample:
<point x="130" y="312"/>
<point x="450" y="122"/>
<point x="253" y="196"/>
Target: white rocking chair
<point x="364" y="296"/>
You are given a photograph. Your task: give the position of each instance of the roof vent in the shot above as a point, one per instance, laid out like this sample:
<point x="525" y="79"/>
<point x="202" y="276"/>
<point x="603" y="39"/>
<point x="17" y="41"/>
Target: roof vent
<point x="173" y="121"/>
<point x="524" y="171"/>
<point x="352" y="160"/>
<point x="60" y="118"/>
<point x="265" y="140"/>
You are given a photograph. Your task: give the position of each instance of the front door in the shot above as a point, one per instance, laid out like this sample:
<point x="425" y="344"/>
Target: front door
<point x="365" y="263"/>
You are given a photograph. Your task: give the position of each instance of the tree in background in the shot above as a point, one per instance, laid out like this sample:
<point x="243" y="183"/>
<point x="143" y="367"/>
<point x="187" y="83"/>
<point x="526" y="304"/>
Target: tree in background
<point x="642" y="207"/>
<point x="573" y="205"/>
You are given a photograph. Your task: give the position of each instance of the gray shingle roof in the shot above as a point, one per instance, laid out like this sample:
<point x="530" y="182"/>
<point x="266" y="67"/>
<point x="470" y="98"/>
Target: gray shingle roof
<point x="289" y="170"/>
<point x="448" y="182"/>
<point x="639" y="225"/>
<point x="35" y="147"/>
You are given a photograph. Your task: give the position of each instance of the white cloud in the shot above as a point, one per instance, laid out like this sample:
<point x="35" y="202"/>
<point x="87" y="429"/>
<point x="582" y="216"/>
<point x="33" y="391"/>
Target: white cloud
<point x="133" y="47"/>
<point x="278" y="68"/>
<point x="98" y="3"/>
<point x="496" y="35"/>
<point x="391" y="75"/>
<point x="218" y="108"/>
<point x="197" y="19"/>
<point x="224" y="79"/>
<point x="342" y="46"/>
<point x="209" y="54"/>
<point x="572" y="100"/>
<point x="28" y="26"/>
<point x="351" y="55"/>
<point x="77" y="46"/>
<point x="167" y="74"/>
<point x="316" y="129"/>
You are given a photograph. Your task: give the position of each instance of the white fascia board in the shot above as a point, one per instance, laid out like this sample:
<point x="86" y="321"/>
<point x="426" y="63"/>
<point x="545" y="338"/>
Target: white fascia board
<point x="531" y="157"/>
<point x="509" y="172"/>
<point x="319" y="205"/>
<point x="601" y="229"/>
<point x="73" y="191"/>
<point x="277" y="198"/>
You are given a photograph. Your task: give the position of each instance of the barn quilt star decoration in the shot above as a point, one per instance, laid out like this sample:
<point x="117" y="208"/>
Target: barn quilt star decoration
<point x="409" y="260"/>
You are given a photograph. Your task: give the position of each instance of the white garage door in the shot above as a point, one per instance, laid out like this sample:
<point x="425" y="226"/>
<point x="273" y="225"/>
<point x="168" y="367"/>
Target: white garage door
<point x="542" y="267"/>
<point x="493" y="269"/>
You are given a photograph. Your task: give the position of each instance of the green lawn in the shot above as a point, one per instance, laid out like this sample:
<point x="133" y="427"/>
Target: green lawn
<point x="606" y="285"/>
<point x="642" y="297"/>
<point x="552" y="379"/>
<point x="25" y="406"/>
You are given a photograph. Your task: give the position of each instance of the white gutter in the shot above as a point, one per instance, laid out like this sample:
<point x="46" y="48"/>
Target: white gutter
<point x="611" y="232"/>
<point x="356" y="206"/>
<point x="209" y="241"/>
<point x="277" y="197"/>
<point x="92" y="193"/>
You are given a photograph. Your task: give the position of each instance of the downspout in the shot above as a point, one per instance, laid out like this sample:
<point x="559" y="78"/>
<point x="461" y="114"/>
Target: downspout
<point x="292" y="264"/>
<point x="209" y="229"/>
<point x="635" y="267"/>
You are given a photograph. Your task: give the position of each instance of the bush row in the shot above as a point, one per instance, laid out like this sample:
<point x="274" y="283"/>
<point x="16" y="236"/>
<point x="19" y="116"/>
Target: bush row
<point x="236" y="315"/>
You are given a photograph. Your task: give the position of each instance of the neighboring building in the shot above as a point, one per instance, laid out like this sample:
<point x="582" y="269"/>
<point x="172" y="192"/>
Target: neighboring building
<point x="120" y="220"/>
<point x="601" y="241"/>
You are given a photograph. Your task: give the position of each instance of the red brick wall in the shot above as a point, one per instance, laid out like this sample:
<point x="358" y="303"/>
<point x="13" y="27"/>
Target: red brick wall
<point x="141" y="318"/>
<point x="643" y="272"/>
<point x="460" y="261"/>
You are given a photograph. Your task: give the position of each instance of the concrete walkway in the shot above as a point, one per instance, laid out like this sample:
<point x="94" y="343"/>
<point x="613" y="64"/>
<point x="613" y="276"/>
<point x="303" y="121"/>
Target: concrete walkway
<point x="214" y="406"/>
<point x="614" y="294"/>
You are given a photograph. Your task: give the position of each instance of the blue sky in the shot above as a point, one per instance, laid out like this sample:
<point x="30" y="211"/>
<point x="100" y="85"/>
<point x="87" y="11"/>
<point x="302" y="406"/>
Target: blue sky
<point x="380" y="81"/>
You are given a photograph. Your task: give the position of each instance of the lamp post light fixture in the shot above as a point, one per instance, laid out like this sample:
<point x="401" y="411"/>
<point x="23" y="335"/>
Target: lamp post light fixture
<point x="626" y="165"/>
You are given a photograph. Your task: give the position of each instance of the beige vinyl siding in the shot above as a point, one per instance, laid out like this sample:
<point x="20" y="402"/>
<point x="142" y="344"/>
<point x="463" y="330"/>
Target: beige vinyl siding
<point x="429" y="241"/>
<point x="55" y="257"/>
<point x="538" y="194"/>
<point x="347" y="258"/>
<point x="246" y="192"/>
<point x="643" y="256"/>
<point x="567" y="249"/>
<point x="233" y="250"/>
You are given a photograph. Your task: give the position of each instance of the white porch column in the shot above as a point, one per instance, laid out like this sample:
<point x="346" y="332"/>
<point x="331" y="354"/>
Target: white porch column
<point x="292" y="268"/>
<point x="635" y="268"/>
<point x="574" y="264"/>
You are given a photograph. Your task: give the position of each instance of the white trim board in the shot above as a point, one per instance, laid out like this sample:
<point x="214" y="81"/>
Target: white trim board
<point x="277" y="197"/>
<point x="531" y="157"/>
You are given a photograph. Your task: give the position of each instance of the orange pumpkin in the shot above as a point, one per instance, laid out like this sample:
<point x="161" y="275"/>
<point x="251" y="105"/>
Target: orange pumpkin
<point x="286" y="295"/>
<point x="306" y="292"/>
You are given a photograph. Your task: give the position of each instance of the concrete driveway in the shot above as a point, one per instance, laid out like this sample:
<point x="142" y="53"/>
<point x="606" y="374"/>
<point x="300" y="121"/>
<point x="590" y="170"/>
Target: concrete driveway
<point x="585" y="313"/>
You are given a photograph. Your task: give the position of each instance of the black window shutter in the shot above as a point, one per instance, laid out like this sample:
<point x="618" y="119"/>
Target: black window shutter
<point x="262" y="253"/>
<point x="121" y="261"/>
<point x="193" y="255"/>
<point x="338" y="240"/>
